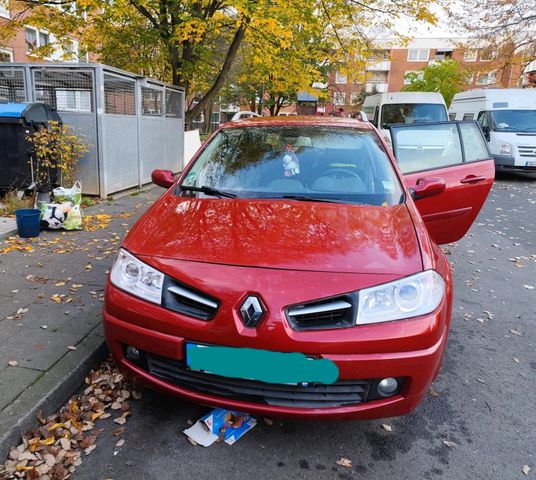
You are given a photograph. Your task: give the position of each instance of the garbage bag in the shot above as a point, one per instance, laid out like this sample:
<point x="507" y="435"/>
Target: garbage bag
<point x="74" y="219"/>
<point x="73" y="194"/>
<point x="53" y="215"/>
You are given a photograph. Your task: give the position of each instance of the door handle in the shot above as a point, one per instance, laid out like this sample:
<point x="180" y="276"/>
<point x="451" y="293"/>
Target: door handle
<point x="472" y="179"/>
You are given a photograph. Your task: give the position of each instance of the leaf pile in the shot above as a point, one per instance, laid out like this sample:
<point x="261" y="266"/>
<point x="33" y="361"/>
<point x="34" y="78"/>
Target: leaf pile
<point x="54" y="449"/>
<point x="17" y="244"/>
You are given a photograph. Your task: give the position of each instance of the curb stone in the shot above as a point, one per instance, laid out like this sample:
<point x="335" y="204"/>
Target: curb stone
<point x="51" y="390"/>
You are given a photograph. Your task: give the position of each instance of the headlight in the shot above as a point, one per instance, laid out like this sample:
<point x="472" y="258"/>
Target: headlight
<point x="505" y="148"/>
<point x="135" y="277"/>
<point x="408" y="297"/>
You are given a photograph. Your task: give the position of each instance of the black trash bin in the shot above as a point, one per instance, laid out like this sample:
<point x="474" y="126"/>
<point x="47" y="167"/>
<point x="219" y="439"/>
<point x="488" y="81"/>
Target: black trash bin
<point x="17" y="121"/>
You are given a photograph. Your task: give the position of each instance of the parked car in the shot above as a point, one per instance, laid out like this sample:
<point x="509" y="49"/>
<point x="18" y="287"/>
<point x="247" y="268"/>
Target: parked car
<point x="508" y="120"/>
<point x="386" y="109"/>
<point x="243" y="115"/>
<point x="293" y="270"/>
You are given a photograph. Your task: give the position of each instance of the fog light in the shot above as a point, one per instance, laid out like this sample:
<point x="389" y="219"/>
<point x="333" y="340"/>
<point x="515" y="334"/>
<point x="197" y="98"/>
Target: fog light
<point x="133" y="353"/>
<point x="387" y="386"/>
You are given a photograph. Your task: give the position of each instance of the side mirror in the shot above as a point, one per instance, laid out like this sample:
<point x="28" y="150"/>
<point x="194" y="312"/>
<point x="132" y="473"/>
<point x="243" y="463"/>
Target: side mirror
<point x="163" y="178"/>
<point x="362" y="116"/>
<point x="428" y="187"/>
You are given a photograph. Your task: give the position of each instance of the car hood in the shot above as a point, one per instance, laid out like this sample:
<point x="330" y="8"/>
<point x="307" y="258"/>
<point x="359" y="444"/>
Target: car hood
<point x="280" y="234"/>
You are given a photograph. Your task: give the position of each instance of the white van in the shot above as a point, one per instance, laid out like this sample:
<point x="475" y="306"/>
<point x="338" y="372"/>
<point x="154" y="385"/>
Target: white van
<point x="508" y="119"/>
<point x="385" y="109"/>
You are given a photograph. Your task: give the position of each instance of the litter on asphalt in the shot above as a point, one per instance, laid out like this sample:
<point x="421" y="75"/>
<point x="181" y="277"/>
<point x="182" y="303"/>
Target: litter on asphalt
<point x="220" y="424"/>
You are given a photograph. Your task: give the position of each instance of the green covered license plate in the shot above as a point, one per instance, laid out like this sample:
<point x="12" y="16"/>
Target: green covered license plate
<point x="262" y="365"/>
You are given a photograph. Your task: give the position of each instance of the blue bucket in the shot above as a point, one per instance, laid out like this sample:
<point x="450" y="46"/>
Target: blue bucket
<point x="28" y="220"/>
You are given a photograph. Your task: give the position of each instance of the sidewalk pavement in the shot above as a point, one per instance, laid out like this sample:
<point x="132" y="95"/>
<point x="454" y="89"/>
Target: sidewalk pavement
<point x="51" y="294"/>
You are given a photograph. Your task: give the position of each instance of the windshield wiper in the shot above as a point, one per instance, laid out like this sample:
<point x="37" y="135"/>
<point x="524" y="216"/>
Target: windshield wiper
<point x="208" y="191"/>
<point x="305" y="198"/>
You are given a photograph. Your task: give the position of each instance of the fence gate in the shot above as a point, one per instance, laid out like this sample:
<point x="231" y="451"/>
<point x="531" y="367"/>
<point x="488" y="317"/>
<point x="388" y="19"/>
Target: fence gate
<point x="72" y="93"/>
<point x="120" y="133"/>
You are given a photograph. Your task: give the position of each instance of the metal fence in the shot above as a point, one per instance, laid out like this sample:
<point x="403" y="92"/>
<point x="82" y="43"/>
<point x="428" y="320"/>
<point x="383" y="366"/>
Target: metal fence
<point x="132" y="124"/>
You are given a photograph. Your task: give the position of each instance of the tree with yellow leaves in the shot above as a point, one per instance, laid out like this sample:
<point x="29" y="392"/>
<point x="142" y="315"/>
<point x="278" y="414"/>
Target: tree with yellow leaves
<point x="195" y="43"/>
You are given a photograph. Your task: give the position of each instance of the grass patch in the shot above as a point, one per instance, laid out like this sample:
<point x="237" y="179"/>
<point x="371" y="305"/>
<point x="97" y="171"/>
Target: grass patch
<point x="10" y="202"/>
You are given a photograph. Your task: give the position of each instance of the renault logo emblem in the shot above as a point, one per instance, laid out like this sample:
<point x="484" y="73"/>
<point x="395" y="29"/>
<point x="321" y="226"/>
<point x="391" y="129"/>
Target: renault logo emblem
<point x="252" y="311"/>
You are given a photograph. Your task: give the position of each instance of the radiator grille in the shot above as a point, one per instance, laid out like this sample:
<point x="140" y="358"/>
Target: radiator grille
<point x="342" y="392"/>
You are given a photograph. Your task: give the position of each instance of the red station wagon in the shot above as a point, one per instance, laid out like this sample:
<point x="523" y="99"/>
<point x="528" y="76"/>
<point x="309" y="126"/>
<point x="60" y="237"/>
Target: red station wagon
<point x="293" y="268"/>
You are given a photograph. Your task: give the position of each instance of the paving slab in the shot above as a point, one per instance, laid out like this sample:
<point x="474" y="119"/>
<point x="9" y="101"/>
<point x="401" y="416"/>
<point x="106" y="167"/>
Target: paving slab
<point x="13" y="381"/>
<point x="51" y="298"/>
<point x="7" y="226"/>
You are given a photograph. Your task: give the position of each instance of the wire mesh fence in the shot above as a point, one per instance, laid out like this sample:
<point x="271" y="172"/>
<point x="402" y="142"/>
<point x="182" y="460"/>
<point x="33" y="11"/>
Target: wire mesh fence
<point x="12" y="86"/>
<point x="119" y="95"/>
<point x="132" y="124"/>
<point x="65" y="90"/>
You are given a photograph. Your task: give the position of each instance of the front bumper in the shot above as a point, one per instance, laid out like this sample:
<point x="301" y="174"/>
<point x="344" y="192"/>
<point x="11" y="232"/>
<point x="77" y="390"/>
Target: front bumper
<point x="418" y="366"/>
<point x="508" y="162"/>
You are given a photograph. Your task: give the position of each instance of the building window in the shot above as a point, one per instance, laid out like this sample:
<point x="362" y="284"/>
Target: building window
<point x="488" y="55"/>
<point x="44" y="39"/>
<point x="470" y="55"/>
<point x="418" y="54"/>
<point x="354" y="97"/>
<point x="486" y="78"/>
<point x="379" y="55"/>
<point x="35" y="39"/>
<point x="4" y="9"/>
<point x="70" y="50"/>
<point x="407" y="81"/>
<point x="6" y="55"/>
<point x="31" y="39"/>
<point x="442" y="54"/>
<point x="341" y="78"/>
<point x="339" y="98"/>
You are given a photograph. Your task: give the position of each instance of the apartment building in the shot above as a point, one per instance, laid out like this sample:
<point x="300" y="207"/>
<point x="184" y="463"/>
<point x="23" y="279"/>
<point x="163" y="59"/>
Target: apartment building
<point x="20" y="48"/>
<point x="386" y="69"/>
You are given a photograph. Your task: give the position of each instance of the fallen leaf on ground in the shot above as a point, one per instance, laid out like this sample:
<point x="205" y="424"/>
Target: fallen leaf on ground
<point x="387" y="428"/>
<point x="449" y="444"/>
<point x="526" y="469"/>
<point x="13" y="363"/>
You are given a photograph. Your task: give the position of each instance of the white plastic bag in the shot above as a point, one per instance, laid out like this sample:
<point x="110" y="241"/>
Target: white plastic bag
<point x="73" y="194"/>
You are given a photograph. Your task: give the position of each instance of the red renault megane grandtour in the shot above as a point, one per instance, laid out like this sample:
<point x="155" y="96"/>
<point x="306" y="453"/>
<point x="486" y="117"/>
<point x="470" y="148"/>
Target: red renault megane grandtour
<point x="293" y="267"/>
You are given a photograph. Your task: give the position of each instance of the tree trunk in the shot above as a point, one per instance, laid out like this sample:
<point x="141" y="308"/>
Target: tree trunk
<point x="224" y="72"/>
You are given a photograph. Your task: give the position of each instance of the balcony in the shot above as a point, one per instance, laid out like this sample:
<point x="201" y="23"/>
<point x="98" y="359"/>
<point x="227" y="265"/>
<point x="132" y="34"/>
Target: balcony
<point x="381" y="87"/>
<point x="378" y="65"/>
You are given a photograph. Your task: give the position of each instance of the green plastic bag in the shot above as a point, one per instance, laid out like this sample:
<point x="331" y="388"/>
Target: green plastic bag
<point x="73" y="194"/>
<point x="74" y="219"/>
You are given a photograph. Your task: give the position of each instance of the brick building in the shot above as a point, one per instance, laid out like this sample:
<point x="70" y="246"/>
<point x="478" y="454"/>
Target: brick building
<point x="385" y="71"/>
<point x="28" y="38"/>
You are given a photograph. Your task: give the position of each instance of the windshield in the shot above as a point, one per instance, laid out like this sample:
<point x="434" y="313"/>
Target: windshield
<point x="514" y="120"/>
<point x="306" y="162"/>
<point x="412" y="113"/>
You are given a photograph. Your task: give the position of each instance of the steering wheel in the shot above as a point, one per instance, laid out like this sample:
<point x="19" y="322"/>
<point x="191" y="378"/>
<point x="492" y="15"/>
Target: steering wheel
<point x="339" y="173"/>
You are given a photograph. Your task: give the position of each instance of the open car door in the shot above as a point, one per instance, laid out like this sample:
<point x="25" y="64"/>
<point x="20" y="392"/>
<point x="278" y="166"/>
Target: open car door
<point x="455" y="152"/>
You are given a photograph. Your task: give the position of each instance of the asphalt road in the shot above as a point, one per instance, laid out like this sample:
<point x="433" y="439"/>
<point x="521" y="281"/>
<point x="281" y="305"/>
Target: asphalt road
<point x="485" y="403"/>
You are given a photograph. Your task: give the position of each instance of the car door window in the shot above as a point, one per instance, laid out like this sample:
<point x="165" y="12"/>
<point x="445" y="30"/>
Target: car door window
<point x="427" y="146"/>
<point x="483" y="119"/>
<point x="473" y="142"/>
<point x="375" y="117"/>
